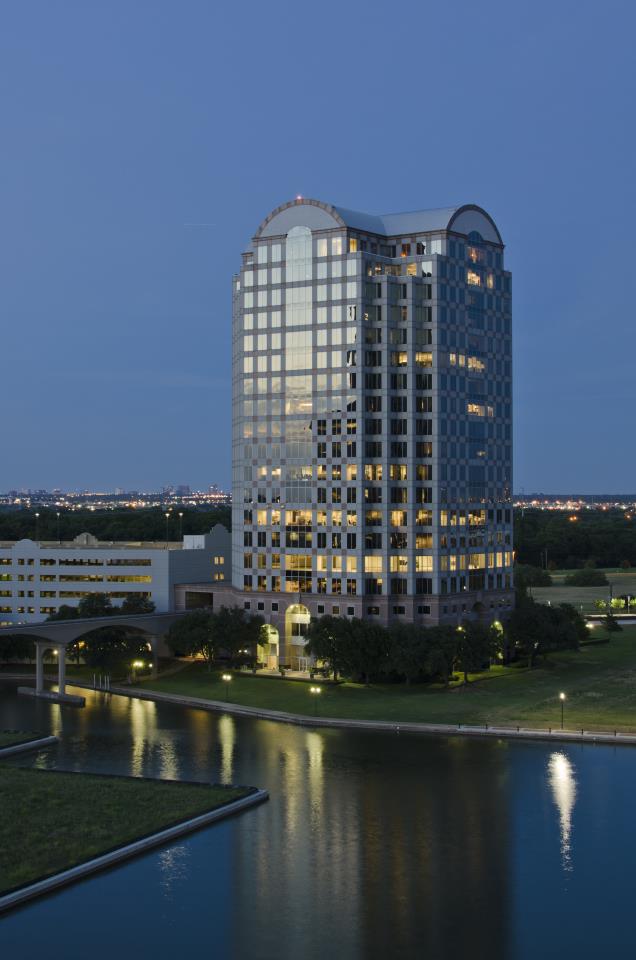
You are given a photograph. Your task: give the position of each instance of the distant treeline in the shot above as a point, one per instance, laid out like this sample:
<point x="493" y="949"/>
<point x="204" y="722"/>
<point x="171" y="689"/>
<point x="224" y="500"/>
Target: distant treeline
<point x="120" y="524"/>
<point x="595" y="538"/>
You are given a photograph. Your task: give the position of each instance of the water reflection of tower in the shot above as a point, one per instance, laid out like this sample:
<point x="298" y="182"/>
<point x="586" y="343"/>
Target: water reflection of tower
<point x="435" y="856"/>
<point x="389" y="845"/>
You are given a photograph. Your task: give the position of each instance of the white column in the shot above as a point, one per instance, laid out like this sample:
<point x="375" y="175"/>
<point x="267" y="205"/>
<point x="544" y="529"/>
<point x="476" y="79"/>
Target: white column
<point x="39" y="667"/>
<point x="61" y="668"/>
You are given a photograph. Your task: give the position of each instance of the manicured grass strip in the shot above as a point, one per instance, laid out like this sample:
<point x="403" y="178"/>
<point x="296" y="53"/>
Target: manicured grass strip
<point x="52" y="820"/>
<point x="623" y="584"/>
<point x="599" y="682"/>
<point x="9" y="738"/>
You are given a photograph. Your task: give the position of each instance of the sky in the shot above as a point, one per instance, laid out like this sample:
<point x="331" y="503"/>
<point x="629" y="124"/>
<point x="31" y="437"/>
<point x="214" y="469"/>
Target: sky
<point x="143" y="141"/>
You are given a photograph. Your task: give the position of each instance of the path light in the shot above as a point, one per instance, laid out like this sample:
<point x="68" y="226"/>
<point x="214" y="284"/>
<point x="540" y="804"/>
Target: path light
<point x="562" y="699"/>
<point x="315" y="691"/>
<point x="226" y="678"/>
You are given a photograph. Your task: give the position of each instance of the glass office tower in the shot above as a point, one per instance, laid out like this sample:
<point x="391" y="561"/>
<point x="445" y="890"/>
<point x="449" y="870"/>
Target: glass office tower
<point x="372" y="422"/>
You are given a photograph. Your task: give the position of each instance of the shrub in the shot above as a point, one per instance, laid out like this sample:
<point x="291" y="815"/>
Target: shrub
<point x="587" y="577"/>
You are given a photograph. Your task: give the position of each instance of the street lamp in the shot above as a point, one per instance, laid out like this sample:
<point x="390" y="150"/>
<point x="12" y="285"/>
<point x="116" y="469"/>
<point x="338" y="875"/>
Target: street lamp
<point x="315" y="692"/>
<point x="180" y="526"/>
<point x="562" y="699"/>
<point x="226" y="678"/>
<point x="167" y="516"/>
<point x="37" y="527"/>
<point x="58" y="526"/>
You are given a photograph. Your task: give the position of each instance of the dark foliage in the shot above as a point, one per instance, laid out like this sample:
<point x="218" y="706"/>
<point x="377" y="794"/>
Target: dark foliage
<point x="607" y="538"/>
<point x="122" y="523"/>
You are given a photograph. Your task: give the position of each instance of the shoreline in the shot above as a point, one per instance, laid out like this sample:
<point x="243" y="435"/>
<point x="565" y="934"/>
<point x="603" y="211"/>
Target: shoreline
<point x="40" y="888"/>
<point x="387" y="726"/>
<point x="36" y="743"/>
<point x="511" y="732"/>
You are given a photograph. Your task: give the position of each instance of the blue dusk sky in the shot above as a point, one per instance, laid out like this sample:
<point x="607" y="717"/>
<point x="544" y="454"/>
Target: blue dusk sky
<point x="143" y="141"/>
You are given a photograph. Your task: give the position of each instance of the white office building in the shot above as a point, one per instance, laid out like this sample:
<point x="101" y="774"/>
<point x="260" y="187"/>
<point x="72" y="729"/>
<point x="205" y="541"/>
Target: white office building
<point x="37" y="578"/>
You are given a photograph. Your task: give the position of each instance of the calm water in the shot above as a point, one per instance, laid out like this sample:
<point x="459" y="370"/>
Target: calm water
<point x="372" y="845"/>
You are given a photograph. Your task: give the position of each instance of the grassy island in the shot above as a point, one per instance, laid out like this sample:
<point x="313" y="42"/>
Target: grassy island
<point x="53" y="820"/>
<point x="599" y="682"/>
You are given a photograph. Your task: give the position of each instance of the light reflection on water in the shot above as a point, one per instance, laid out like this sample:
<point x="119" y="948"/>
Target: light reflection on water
<point x="371" y="846"/>
<point x="563" y="786"/>
<point x="227" y="739"/>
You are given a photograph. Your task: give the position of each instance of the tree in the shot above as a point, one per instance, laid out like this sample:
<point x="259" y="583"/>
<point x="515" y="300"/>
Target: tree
<point x="441" y="652"/>
<point x="16" y="646"/>
<point x="195" y="634"/>
<point x="136" y="603"/>
<point x="326" y="641"/>
<point x="365" y="649"/>
<point x="476" y="645"/>
<point x="237" y="631"/>
<point x="611" y="624"/>
<point x="524" y="628"/>
<point x="95" y="605"/>
<point x="571" y="615"/>
<point x="113" y="648"/>
<point x="530" y="576"/>
<point x="408" y="652"/>
<point x="65" y="612"/>
<point x="587" y="577"/>
<point x="536" y="630"/>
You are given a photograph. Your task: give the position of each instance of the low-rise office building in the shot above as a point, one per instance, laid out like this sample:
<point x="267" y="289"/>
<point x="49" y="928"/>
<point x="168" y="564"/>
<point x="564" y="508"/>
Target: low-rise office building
<point x="37" y="578"/>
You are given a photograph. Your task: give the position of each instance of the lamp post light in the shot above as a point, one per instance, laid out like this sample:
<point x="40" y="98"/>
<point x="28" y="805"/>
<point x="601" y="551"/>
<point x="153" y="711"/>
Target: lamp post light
<point x="37" y="527"/>
<point x="227" y="678"/>
<point x="180" y="526"/>
<point x="167" y="516"/>
<point x="315" y="692"/>
<point x="562" y="699"/>
<point x="58" y="527"/>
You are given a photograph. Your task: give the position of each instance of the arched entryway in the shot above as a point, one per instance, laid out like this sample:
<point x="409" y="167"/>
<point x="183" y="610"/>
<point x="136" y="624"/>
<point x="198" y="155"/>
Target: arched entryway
<point x="296" y="625"/>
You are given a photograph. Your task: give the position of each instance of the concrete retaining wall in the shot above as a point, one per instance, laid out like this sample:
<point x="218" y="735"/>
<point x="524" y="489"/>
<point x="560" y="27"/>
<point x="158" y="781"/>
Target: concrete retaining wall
<point x="41" y="887"/>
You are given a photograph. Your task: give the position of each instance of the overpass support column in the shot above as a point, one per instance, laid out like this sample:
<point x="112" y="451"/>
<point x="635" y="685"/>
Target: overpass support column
<point x="61" y="668"/>
<point x="39" y="667"/>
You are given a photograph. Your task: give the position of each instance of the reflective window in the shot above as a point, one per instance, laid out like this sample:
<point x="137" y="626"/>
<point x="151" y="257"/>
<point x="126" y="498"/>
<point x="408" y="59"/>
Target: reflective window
<point x="298" y="255"/>
<point x="298" y="306"/>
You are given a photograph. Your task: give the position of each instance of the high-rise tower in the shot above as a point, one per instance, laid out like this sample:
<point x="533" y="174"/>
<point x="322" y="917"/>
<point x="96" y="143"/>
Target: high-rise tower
<point x="372" y="429"/>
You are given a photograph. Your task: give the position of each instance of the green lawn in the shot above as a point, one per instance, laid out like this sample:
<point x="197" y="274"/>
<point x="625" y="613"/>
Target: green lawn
<point x="622" y="581"/>
<point x="599" y="681"/>
<point x="53" y="820"/>
<point x="9" y="738"/>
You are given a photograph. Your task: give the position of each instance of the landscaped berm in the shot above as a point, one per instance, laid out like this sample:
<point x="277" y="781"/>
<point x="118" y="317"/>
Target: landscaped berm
<point x="53" y="820"/>
<point x="599" y="682"/>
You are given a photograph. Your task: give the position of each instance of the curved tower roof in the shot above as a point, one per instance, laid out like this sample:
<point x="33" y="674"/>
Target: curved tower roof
<point x="317" y="215"/>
